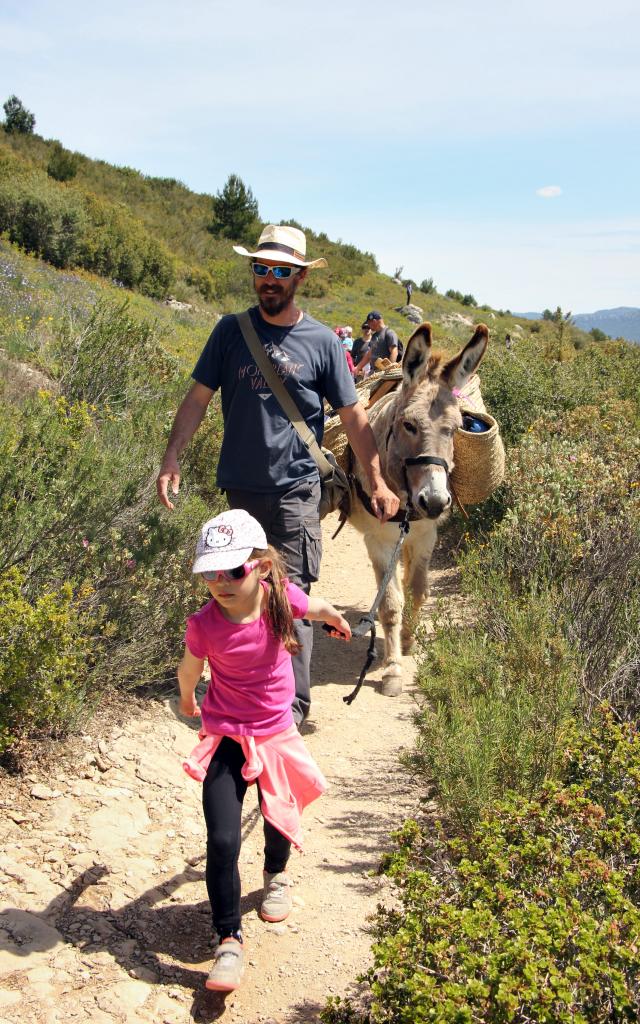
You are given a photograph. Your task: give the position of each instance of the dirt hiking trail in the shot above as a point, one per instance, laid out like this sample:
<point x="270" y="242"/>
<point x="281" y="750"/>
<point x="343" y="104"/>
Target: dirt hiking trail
<point x="103" y="910"/>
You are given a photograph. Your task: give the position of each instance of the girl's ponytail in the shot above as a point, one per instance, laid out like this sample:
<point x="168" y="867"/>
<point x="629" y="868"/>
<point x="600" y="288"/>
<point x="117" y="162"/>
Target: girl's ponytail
<point x="278" y="607"/>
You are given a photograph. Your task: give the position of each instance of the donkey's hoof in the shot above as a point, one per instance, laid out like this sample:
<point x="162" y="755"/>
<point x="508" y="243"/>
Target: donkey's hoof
<point x="391" y="686"/>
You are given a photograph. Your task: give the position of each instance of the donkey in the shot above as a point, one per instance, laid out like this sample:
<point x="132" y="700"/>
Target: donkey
<point x="414" y="428"/>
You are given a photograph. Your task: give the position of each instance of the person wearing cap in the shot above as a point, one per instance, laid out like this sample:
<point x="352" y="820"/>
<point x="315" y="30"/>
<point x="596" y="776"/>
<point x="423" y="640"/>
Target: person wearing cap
<point x="246" y="634"/>
<point x="264" y="467"/>
<point x="360" y="348"/>
<point x="384" y="342"/>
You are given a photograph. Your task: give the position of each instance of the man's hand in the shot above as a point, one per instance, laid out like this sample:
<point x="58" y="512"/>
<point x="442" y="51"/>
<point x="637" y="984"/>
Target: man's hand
<point x="169" y="474"/>
<point x="384" y="502"/>
<point x="187" y="420"/>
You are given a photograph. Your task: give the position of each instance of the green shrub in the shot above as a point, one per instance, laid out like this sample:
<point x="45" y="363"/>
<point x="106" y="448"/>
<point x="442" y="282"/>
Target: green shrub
<point x="112" y="360"/>
<point x="62" y="165"/>
<point x="117" y="246"/>
<point x="45" y="645"/>
<point x="533" y="918"/>
<point x="494" y="701"/>
<point x="572" y="526"/>
<point x="519" y="390"/>
<point x="43" y="218"/>
<point x="552" y="582"/>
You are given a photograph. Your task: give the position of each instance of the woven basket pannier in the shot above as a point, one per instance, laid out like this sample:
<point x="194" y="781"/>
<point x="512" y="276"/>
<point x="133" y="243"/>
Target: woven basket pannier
<point x="478" y="460"/>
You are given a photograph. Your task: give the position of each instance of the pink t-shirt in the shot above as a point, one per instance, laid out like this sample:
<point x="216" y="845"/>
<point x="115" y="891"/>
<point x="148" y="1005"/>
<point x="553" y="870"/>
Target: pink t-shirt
<point x="252" y="682"/>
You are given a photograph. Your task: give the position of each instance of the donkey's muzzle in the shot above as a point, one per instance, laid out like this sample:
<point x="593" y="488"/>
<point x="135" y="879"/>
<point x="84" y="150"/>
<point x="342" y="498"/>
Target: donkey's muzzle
<point x="432" y="506"/>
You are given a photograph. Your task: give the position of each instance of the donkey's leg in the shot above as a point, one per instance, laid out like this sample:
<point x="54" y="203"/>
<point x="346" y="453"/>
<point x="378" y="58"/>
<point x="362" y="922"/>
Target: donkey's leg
<point x="417" y="559"/>
<point x="390" y="612"/>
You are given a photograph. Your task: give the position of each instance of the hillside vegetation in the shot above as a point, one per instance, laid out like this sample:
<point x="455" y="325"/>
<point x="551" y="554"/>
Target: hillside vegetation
<point x="523" y="905"/>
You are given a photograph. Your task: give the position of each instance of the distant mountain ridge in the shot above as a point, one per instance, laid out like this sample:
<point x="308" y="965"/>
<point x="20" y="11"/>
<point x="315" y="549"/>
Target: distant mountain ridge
<point x="621" y="322"/>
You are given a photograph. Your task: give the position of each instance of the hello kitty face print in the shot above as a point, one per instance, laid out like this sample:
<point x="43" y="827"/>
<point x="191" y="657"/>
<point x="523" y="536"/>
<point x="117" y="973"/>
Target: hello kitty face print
<point x="220" y="536"/>
<point x="228" y="540"/>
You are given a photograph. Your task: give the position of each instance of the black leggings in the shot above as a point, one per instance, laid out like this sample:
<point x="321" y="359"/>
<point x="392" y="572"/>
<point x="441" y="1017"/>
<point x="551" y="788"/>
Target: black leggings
<point x="222" y="796"/>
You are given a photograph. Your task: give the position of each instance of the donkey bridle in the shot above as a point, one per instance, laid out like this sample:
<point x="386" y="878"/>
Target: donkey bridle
<point x="409" y="513"/>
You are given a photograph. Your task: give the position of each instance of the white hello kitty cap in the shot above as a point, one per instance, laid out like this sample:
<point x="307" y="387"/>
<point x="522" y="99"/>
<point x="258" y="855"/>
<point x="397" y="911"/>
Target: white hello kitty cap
<point x="228" y="540"/>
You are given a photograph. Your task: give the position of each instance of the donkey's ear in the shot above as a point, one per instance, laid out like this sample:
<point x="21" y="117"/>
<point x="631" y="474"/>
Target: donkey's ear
<point x="416" y="357"/>
<point x="457" y="371"/>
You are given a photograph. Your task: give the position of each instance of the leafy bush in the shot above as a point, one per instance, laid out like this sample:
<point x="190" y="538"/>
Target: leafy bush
<point x="495" y="700"/>
<point x="112" y="360"/>
<point x="521" y="389"/>
<point x="554" y="594"/>
<point x="116" y="246"/>
<point x="42" y="218"/>
<point x="534" y="917"/>
<point x="63" y="165"/>
<point x="573" y="526"/>
<point x="465" y="300"/>
<point x="427" y="286"/>
<point x="69" y="229"/>
<point x="78" y="505"/>
<point x="45" y="645"/>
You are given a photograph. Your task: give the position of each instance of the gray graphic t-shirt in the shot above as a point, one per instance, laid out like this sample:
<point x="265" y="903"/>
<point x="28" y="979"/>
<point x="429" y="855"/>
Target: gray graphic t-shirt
<point x="382" y="343"/>
<point x="261" y="450"/>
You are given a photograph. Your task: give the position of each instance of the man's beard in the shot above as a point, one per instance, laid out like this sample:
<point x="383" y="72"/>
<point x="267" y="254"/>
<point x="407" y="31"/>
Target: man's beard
<point x="274" y="298"/>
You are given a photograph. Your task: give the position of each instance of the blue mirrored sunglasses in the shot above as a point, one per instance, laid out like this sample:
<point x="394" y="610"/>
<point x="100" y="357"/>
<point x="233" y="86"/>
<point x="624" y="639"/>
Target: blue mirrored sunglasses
<point x="237" y="573"/>
<point x="280" y="273"/>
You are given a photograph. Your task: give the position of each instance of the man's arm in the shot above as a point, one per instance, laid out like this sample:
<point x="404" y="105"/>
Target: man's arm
<point x="187" y="420"/>
<point x="392" y="346"/>
<point x="360" y="435"/>
<point x="364" y="361"/>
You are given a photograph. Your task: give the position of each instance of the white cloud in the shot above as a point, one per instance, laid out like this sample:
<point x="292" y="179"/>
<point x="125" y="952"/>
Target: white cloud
<point x="549" y="191"/>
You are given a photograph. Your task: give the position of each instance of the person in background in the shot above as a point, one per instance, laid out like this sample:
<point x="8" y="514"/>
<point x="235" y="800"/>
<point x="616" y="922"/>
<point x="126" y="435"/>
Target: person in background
<point x="360" y="348"/>
<point x="246" y="633"/>
<point x="409" y="288"/>
<point x="347" y="343"/>
<point x="384" y="342"/>
<point x="264" y="467"/>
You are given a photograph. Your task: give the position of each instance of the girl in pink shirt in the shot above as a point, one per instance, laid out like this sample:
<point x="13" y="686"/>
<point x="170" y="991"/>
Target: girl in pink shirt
<point x="246" y="633"/>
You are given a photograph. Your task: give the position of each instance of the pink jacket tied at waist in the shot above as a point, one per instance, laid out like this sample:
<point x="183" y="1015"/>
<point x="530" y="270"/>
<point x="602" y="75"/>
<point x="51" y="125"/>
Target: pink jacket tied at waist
<point x="289" y="777"/>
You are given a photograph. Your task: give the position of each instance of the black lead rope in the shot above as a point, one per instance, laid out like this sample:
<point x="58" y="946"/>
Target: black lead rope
<point x="367" y="623"/>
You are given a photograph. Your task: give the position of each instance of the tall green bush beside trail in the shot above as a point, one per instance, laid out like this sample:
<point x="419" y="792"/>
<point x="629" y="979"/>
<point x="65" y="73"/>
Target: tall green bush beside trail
<point x="553" y="593"/>
<point x="79" y="514"/>
<point x="46" y="646"/>
<point x="113" y="360"/>
<point x="519" y="388"/>
<point x="495" y="702"/>
<point x="532" y="918"/>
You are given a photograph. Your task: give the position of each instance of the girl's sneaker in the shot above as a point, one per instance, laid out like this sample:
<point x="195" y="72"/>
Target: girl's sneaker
<point x="276" y="898"/>
<point x="228" y="966"/>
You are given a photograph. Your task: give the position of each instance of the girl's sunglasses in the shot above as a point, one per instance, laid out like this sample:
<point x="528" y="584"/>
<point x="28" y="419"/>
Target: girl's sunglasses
<point x="237" y="573"/>
<point x="280" y="273"/>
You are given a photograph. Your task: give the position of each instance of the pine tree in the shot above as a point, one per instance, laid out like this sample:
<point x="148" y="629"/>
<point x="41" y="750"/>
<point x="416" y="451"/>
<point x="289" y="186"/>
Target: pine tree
<point x="235" y="210"/>
<point x="17" y="117"/>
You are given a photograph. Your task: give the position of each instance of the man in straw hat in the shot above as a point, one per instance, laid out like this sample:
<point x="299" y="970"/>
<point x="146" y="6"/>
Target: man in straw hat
<point x="264" y="467"/>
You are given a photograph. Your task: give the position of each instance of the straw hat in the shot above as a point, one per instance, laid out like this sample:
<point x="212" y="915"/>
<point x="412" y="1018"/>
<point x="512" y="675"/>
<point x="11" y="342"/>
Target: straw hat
<point x="284" y="243"/>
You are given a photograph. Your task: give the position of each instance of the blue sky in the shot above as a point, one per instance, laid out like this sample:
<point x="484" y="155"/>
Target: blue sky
<point x="422" y="131"/>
